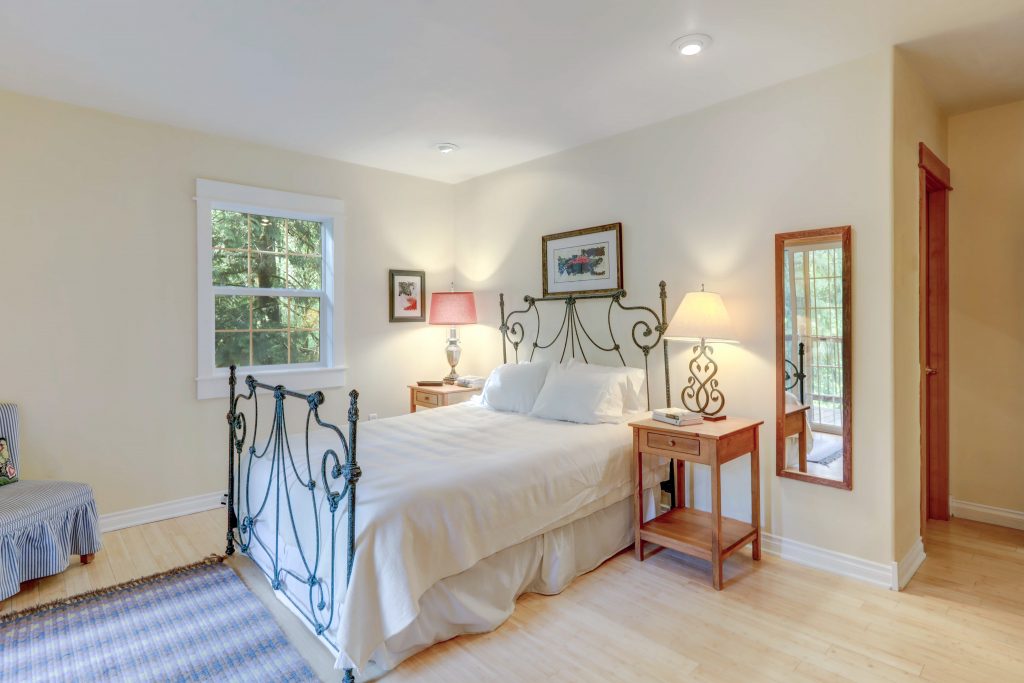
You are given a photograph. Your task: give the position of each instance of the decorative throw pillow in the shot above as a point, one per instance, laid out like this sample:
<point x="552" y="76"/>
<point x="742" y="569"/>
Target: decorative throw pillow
<point x="8" y="473"/>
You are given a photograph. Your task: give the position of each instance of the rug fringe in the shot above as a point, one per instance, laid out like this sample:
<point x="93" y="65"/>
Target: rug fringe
<point x="109" y="590"/>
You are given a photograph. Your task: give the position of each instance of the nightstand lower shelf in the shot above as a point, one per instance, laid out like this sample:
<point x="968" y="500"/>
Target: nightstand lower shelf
<point x="689" y="531"/>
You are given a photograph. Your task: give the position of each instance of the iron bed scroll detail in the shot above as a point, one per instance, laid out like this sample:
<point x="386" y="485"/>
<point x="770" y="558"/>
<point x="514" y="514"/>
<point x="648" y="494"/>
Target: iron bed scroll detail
<point x="572" y="330"/>
<point x="317" y="574"/>
<point x="794" y="374"/>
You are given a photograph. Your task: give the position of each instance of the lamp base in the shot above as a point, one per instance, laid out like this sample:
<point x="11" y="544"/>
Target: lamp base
<point x="453" y="352"/>
<point x="701" y="393"/>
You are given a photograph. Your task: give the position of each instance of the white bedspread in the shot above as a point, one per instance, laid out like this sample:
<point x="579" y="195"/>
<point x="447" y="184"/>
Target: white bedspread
<point x="443" y="489"/>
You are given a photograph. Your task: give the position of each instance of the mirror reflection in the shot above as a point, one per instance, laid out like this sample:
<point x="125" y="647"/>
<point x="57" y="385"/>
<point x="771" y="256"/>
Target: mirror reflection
<point x="813" y="356"/>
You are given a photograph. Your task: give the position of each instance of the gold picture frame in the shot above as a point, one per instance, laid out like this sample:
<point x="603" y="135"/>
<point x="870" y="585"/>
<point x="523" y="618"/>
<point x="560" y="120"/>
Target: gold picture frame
<point x="585" y="261"/>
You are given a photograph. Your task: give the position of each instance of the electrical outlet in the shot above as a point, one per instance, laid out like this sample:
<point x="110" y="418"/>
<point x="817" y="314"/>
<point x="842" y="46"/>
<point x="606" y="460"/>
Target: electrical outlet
<point x="373" y="416"/>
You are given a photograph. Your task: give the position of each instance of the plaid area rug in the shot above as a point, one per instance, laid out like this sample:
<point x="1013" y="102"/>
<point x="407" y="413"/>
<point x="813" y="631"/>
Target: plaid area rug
<point x="195" y="623"/>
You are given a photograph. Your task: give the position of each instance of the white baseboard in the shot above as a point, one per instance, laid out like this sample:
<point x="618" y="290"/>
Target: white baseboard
<point x="986" y="513"/>
<point x="909" y="564"/>
<point x="876" y="573"/>
<point x="113" y="521"/>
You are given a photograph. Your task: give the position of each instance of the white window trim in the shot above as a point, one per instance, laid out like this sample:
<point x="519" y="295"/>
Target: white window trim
<point x="211" y="381"/>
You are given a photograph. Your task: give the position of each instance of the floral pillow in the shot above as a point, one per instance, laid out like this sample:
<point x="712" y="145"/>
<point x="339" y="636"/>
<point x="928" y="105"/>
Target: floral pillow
<point x="8" y="473"/>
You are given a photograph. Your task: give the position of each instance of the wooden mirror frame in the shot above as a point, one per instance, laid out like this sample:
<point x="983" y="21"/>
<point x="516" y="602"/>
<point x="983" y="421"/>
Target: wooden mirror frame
<point x="781" y="422"/>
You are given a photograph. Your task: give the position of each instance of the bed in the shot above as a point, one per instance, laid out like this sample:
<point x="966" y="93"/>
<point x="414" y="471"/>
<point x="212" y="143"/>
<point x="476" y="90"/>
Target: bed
<point x="459" y="510"/>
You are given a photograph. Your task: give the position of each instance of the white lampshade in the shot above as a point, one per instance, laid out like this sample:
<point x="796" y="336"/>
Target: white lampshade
<point x="702" y="315"/>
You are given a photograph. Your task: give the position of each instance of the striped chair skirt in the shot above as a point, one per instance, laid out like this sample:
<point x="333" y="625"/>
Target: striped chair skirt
<point x="42" y="524"/>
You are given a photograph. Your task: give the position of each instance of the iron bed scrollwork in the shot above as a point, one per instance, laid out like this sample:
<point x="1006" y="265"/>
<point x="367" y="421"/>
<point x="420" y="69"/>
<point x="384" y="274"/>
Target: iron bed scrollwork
<point x="573" y="331"/>
<point x="794" y="374"/>
<point x="320" y="574"/>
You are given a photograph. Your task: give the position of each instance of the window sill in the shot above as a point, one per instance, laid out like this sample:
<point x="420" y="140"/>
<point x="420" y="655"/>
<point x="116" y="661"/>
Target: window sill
<point x="298" y="379"/>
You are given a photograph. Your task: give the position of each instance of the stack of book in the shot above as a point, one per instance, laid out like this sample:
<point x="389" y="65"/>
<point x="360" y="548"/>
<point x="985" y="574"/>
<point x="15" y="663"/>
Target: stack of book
<point x="677" y="417"/>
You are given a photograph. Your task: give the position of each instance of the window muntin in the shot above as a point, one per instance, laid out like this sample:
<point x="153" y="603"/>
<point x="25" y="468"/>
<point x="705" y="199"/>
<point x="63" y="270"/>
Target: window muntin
<point x="267" y="275"/>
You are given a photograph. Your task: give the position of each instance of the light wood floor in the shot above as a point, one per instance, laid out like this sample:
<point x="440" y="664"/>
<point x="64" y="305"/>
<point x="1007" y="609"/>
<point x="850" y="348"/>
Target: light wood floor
<point x="961" y="618"/>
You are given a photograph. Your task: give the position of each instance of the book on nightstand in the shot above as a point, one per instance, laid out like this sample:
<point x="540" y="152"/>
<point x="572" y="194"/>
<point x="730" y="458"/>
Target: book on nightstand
<point x="677" y="417"/>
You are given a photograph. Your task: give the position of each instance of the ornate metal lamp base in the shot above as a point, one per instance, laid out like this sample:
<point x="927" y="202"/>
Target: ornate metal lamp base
<point x="701" y="393"/>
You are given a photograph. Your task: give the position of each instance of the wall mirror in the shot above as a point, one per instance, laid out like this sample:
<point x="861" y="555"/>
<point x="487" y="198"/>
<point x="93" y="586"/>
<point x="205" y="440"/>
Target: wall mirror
<point x="813" y="393"/>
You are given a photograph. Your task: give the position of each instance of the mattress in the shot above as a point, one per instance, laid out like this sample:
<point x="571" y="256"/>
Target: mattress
<point x="441" y="491"/>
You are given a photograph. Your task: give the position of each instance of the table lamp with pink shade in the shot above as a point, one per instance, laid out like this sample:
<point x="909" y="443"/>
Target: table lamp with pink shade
<point x="452" y="309"/>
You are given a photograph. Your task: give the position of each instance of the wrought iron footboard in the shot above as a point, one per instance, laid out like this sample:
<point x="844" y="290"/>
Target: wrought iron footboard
<point x="319" y="573"/>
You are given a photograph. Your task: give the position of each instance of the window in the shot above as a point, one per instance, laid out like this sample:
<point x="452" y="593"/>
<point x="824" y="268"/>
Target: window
<point x="266" y="286"/>
<point x="815" y="292"/>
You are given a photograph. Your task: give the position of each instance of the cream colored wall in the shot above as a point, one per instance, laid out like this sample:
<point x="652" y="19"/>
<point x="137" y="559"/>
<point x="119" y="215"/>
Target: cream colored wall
<point x="97" y="254"/>
<point x="986" y="327"/>
<point x="916" y="118"/>
<point x="700" y="198"/>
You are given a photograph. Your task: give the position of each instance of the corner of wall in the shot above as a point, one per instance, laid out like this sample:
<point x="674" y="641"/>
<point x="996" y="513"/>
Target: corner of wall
<point x="916" y="118"/>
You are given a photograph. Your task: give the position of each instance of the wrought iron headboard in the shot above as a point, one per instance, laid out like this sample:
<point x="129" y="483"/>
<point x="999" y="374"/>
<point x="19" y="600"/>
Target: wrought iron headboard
<point x="320" y="571"/>
<point x="572" y="331"/>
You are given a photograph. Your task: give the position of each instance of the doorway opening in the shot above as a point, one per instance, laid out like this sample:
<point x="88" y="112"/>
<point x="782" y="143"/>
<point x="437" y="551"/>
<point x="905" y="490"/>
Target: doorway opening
<point x="934" y="335"/>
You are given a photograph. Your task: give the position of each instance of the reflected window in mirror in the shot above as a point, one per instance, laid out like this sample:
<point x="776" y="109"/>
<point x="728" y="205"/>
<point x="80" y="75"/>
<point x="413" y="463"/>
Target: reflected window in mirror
<point x="813" y="356"/>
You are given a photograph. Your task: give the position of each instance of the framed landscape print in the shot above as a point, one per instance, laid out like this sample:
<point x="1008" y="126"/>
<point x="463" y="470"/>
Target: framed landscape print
<point x="587" y="261"/>
<point x="406" y="296"/>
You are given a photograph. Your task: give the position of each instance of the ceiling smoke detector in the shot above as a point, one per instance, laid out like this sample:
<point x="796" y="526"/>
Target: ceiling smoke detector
<point x="691" y="45"/>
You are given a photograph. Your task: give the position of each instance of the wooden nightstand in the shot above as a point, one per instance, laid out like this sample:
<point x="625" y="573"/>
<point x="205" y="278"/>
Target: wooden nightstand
<point x="707" y="535"/>
<point x="436" y="397"/>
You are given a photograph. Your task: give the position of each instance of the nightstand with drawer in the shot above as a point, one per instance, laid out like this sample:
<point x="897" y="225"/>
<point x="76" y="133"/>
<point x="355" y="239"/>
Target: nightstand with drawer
<point x="707" y="535"/>
<point x="438" y="396"/>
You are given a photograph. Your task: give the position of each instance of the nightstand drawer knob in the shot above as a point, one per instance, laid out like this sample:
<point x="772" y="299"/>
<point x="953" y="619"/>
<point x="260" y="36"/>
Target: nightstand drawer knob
<point x="671" y="442"/>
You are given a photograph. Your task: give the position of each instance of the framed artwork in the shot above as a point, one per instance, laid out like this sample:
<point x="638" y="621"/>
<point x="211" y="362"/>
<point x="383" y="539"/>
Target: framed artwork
<point x="587" y="261"/>
<point x="406" y="296"/>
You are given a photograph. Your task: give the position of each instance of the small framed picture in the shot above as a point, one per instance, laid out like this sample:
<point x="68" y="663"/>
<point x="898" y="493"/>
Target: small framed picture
<point x="587" y="261"/>
<point x="406" y="296"/>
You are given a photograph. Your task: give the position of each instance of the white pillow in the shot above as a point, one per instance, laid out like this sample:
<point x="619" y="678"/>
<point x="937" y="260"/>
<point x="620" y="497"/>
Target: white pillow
<point x="573" y="395"/>
<point x="634" y="398"/>
<point x="514" y="388"/>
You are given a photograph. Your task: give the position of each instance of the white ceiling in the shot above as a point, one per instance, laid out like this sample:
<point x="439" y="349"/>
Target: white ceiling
<point x="379" y="82"/>
<point x="972" y="67"/>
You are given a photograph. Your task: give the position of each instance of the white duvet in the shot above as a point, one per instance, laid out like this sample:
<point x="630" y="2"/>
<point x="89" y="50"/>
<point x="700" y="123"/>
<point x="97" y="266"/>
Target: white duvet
<point x="441" y="490"/>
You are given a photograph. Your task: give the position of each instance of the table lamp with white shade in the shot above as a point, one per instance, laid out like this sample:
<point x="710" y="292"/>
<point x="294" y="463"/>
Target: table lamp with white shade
<point x="702" y="318"/>
<point x="452" y="309"/>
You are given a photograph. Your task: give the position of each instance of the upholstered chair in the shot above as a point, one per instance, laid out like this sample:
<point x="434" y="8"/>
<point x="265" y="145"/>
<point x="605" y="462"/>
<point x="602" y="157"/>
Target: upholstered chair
<point x="42" y="523"/>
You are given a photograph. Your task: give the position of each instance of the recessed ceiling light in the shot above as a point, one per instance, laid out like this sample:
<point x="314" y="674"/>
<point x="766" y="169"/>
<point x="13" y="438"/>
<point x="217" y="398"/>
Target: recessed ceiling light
<point x="446" y="147"/>
<point x="692" y="44"/>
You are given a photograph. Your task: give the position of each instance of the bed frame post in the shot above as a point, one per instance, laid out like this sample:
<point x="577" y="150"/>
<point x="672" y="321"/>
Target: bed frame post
<point x="800" y="370"/>
<point x="232" y="519"/>
<point x="503" y="328"/>
<point x="664" y="344"/>
<point x="352" y="473"/>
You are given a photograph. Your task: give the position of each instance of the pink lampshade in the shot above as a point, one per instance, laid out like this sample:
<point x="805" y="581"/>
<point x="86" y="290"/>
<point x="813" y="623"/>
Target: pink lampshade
<point x="452" y="308"/>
